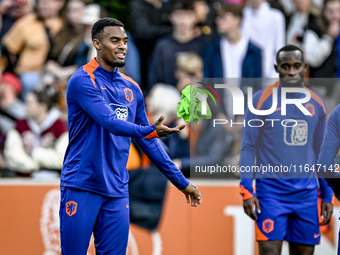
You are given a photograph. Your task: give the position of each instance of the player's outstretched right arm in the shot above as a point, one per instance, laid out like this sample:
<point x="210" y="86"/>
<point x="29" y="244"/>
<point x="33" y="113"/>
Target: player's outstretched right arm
<point x="249" y="144"/>
<point x="83" y="93"/>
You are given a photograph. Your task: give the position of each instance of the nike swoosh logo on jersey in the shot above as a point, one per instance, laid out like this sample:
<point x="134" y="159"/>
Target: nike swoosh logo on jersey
<point x="316" y="236"/>
<point x="103" y="87"/>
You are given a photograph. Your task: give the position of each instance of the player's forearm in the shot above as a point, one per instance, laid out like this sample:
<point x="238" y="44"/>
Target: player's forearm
<point x="105" y="117"/>
<point x="158" y="156"/>
<point x="329" y="147"/>
<point x="326" y="192"/>
<point x="247" y="161"/>
<point x="125" y="128"/>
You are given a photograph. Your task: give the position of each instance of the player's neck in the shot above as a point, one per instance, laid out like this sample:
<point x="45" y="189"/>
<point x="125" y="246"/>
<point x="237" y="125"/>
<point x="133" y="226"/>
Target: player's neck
<point x="104" y="65"/>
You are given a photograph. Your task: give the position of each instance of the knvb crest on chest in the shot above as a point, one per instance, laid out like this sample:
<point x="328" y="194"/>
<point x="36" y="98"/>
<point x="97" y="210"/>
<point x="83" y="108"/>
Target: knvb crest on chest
<point x="128" y="95"/>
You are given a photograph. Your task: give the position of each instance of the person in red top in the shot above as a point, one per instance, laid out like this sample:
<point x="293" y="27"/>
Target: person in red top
<point x="39" y="141"/>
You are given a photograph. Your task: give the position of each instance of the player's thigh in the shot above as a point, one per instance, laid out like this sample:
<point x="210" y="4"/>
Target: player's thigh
<point x="304" y="225"/>
<point x="78" y="213"/>
<point x="300" y="249"/>
<point x="272" y="247"/>
<point x="272" y="221"/>
<point x="111" y="229"/>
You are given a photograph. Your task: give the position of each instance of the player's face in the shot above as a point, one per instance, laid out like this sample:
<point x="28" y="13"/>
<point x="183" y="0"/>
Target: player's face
<point x="113" y="46"/>
<point x="291" y="68"/>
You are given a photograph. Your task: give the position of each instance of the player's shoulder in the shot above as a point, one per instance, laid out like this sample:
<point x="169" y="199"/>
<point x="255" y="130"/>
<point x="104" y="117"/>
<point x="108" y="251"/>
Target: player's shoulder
<point x="131" y="83"/>
<point x="319" y="102"/>
<point x="335" y="113"/>
<point x="261" y="96"/>
<point x="82" y="76"/>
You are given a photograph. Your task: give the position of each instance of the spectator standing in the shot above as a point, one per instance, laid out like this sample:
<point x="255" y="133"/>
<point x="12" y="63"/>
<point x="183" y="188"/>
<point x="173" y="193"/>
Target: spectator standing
<point x="300" y="21"/>
<point x="205" y="15"/>
<point x="323" y="62"/>
<point x="86" y="50"/>
<point x="30" y="39"/>
<point x="265" y="26"/>
<point x="11" y="11"/>
<point x="149" y="22"/>
<point x="38" y="142"/>
<point x="189" y="69"/>
<point x="61" y="63"/>
<point x="183" y="39"/>
<point x="11" y="108"/>
<point x="234" y="55"/>
<point x="236" y="59"/>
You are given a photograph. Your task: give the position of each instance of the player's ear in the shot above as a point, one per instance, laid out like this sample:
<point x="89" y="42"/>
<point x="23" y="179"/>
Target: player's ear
<point x="96" y="44"/>
<point x="276" y="68"/>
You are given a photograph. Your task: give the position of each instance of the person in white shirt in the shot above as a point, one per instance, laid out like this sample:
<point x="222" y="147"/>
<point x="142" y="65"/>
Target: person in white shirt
<point x="233" y="57"/>
<point x="265" y="26"/>
<point x="321" y="46"/>
<point x="299" y="21"/>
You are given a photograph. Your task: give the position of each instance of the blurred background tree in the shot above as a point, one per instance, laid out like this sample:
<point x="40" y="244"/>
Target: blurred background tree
<point x="118" y="9"/>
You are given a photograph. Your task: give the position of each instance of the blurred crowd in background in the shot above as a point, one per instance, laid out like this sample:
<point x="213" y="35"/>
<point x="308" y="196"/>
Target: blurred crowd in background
<point x="171" y="44"/>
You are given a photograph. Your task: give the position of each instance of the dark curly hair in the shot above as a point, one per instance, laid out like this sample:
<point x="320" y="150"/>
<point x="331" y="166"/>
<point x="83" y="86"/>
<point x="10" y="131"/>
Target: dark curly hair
<point x="98" y="27"/>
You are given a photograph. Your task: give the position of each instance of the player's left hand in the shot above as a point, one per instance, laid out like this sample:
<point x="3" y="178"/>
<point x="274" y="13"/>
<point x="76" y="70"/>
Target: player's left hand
<point x="191" y="191"/>
<point x="326" y="212"/>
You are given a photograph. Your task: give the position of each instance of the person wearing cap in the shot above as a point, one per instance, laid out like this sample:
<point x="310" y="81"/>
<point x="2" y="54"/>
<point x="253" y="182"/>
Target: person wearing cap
<point x="11" y="108"/>
<point x="36" y="146"/>
<point x="86" y="50"/>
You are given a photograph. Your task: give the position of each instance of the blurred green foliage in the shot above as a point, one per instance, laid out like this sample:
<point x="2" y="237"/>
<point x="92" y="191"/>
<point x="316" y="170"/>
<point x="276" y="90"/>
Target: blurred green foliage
<point x="118" y="9"/>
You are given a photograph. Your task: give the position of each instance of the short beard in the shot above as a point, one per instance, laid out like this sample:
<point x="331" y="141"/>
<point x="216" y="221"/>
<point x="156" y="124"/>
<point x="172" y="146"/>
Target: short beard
<point x="120" y="64"/>
<point x="117" y="64"/>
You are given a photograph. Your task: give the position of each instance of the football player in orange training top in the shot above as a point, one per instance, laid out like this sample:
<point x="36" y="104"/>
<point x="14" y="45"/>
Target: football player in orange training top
<point x="105" y="110"/>
<point x="286" y="200"/>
